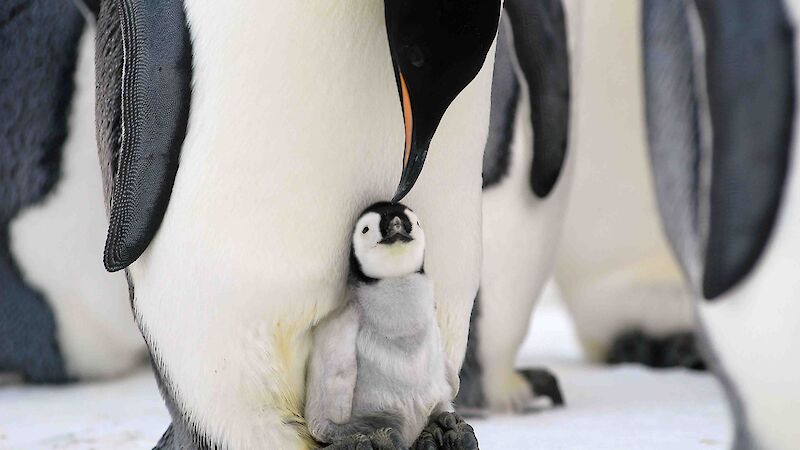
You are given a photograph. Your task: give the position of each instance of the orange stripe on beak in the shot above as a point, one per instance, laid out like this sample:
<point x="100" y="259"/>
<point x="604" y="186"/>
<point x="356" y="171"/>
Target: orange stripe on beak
<point x="408" y="118"/>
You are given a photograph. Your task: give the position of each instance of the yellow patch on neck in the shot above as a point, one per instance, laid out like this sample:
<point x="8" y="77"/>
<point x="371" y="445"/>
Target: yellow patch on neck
<point x="397" y="249"/>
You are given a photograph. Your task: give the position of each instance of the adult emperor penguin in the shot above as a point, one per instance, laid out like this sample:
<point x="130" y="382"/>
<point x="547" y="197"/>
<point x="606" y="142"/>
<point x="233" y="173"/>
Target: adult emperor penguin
<point x="615" y="270"/>
<point x="62" y="316"/>
<point x="526" y="178"/>
<point x="721" y="103"/>
<point x="240" y="142"/>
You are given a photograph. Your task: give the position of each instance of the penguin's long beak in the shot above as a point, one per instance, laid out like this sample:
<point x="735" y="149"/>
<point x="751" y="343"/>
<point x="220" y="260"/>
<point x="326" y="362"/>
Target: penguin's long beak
<point x="414" y="154"/>
<point x="437" y="48"/>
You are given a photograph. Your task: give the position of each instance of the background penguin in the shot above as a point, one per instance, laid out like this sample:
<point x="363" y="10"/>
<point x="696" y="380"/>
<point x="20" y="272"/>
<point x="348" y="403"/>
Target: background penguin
<point x="615" y="270"/>
<point x="61" y="316"/>
<point x="721" y="85"/>
<point x="526" y="178"/>
<point x="283" y="117"/>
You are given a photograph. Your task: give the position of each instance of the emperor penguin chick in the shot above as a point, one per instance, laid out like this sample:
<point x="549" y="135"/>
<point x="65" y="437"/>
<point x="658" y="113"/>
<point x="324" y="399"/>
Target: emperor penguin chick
<point x="379" y="360"/>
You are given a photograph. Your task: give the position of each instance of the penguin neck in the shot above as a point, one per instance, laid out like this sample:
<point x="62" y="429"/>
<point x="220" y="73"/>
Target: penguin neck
<point x="397" y="307"/>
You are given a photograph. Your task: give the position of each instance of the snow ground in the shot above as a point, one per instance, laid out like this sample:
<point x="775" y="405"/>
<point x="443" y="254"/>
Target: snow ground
<point x="617" y="408"/>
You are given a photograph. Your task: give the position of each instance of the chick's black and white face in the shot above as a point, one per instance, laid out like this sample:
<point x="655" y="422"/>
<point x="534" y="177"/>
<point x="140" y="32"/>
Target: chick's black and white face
<point x="388" y="241"/>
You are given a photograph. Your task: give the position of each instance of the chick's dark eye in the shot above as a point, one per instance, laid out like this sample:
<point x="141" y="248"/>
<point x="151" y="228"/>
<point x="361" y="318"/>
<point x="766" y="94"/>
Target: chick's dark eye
<point x="364" y="231"/>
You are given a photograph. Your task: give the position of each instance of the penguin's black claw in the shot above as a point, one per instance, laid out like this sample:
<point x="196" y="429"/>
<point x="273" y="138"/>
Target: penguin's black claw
<point x="447" y="431"/>
<point x="544" y="384"/>
<point x="382" y="439"/>
<point x="354" y="442"/>
<point x="387" y="439"/>
<point x="681" y="350"/>
<point x="673" y="350"/>
<point x="632" y="346"/>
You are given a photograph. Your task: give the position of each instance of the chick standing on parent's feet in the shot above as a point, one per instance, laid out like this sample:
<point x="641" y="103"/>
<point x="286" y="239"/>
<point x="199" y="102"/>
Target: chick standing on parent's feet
<point x="379" y="362"/>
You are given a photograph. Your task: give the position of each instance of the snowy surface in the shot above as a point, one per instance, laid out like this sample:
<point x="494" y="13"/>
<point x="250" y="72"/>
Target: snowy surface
<point x="607" y="408"/>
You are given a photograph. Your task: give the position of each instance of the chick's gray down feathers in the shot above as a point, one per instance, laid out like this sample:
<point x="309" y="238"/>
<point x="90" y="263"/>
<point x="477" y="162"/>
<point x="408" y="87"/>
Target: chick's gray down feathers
<point x="379" y="362"/>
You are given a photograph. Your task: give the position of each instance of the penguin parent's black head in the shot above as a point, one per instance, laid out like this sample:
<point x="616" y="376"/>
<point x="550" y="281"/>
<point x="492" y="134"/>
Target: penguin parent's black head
<point x="437" y="48"/>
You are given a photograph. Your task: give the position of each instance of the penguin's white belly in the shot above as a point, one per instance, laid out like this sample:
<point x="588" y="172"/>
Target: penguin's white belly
<point x="58" y="245"/>
<point x="755" y="331"/>
<point x="295" y="127"/>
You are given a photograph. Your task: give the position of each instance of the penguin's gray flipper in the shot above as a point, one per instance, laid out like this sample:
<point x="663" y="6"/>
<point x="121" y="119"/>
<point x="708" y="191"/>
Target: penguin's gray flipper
<point x="719" y="144"/>
<point x="672" y="350"/>
<point x="447" y="431"/>
<point x="539" y="29"/>
<point x="677" y="136"/>
<point x="141" y="118"/>
<point x="38" y="49"/>
<point x="382" y="439"/>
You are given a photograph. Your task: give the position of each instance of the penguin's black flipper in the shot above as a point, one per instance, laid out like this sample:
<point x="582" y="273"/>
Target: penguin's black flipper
<point x="719" y="143"/>
<point x="540" y="39"/>
<point x="751" y="93"/>
<point x="505" y="99"/>
<point x="144" y="70"/>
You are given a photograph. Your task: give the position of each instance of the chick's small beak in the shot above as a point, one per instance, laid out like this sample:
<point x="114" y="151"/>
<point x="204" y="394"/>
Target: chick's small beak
<point x="396" y="232"/>
<point x="395" y="226"/>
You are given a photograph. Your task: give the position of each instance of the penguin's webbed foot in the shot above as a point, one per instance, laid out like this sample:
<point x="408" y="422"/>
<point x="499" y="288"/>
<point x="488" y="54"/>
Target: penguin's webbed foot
<point x="544" y="384"/>
<point x="447" y="431"/>
<point x="519" y="392"/>
<point x="28" y="339"/>
<point x="382" y="439"/>
<point x="672" y="350"/>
